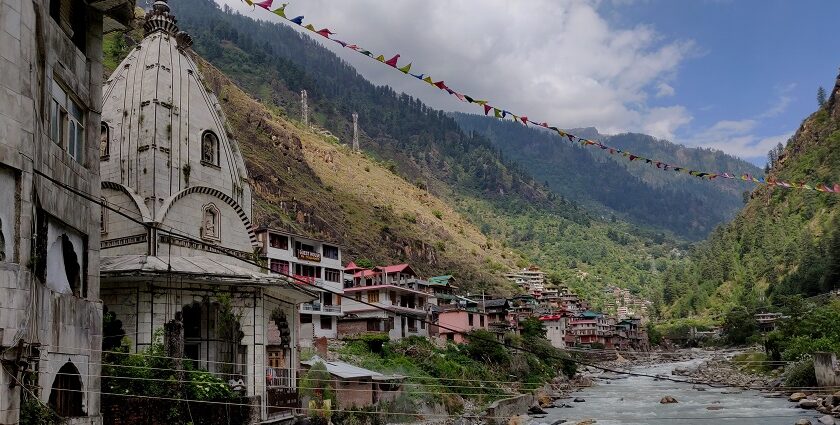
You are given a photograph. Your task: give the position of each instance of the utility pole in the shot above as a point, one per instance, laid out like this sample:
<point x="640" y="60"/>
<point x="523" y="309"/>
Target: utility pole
<point x="304" y="108"/>
<point x="355" y="132"/>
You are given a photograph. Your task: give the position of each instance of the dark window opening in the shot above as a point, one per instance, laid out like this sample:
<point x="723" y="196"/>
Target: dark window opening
<point x="192" y="321"/>
<point x="331" y="252"/>
<point x="71" y="16"/>
<point x="305" y="319"/>
<point x="66" y="395"/>
<point x="278" y="241"/>
<point x="470" y="319"/>
<point x="326" y="322"/>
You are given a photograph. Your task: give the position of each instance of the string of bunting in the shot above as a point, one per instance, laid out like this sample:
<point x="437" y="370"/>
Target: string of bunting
<point x="501" y="113"/>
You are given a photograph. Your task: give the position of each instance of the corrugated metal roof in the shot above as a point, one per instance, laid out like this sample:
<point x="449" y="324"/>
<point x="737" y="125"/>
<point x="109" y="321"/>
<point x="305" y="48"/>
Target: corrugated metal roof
<point x="200" y="269"/>
<point x="343" y="370"/>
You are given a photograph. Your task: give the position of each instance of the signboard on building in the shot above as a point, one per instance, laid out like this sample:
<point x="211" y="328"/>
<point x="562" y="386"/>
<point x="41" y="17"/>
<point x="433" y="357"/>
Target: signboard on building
<point x="308" y="255"/>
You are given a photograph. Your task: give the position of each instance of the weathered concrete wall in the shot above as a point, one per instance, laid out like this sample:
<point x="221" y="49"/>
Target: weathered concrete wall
<point x="36" y="57"/>
<point x="827" y="369"/>
<point x="502" y="410"/>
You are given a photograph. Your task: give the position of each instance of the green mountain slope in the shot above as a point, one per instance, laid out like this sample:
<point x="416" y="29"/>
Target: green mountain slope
<point x="419" y="145"/>
<point x="634" y="191"/>
<point x="785" y="241"/>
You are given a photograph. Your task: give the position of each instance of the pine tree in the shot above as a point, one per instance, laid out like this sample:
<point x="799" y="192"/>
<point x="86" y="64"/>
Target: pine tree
<point x="821" y="96"/>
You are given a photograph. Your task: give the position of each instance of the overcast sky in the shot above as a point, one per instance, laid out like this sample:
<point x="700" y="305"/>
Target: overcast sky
<point x="732" y="75"/>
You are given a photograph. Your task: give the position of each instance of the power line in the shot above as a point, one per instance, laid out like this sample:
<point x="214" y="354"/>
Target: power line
<point x="375" y="306"/>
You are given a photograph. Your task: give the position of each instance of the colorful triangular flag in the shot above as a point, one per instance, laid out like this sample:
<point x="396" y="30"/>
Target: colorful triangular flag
<point x="393" y="61"/>
<point x="281" y="11"/>
<point x="298" y="20"/>
<point x="405" y="69"/>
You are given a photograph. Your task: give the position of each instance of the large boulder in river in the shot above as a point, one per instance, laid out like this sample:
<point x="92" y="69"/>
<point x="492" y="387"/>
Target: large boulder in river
<point x="797" y="396"/>
<point x="827" y="420"/>
<point x="806" y="403"/>
<point x="802" y="421"/>
<point x="668" y="400"/>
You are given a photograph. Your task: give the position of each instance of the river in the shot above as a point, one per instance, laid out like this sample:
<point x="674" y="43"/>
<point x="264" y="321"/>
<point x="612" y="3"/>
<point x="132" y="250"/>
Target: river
<point x="635" y="401"/>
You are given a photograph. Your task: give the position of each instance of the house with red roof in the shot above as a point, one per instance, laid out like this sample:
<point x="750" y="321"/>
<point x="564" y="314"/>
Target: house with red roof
<point x="386" y="299"/>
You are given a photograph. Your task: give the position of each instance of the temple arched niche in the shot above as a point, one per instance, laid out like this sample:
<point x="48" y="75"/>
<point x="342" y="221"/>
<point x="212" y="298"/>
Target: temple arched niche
<point x="66" y="396"/>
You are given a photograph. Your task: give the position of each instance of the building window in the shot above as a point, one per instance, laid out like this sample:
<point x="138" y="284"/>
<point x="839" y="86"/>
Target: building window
<point x="210" y="225"/>
<point x="358" y="296"/>
<point x="373" y="296"/>
<point x="278" y="241"/>
<point x="67" y="122"/>
<point x="209" y="148"/>
<point x="412" y="324"/>
<point x="332" y="275"/>
<point x="71" y="16"/>
<point x="326" y="323"/>
<point x="305" y="319"/>
<point x="66" y="395"/>
<point x="104" y="141"/>
<point x="470" y="319"/>
<point x="103" y="218"/>
<point x="279" y="266"/>
<point x="481" y="321"/>
<point x="331" y="252"/>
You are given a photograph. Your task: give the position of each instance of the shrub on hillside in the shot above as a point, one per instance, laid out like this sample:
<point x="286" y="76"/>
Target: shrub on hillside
<point x="483" y="346"/>
<point x="801" y="374"/>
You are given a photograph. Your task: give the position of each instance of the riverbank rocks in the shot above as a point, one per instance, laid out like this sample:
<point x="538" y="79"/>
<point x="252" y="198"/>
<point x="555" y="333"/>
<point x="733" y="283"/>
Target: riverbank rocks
<point x="668" y="400"/>
<point x="578" y="400"/>
<point x="827" y="420"/>
<point x="795" y="397"/>
<point x="802" y="421"/>
<point x="806" y="403"/>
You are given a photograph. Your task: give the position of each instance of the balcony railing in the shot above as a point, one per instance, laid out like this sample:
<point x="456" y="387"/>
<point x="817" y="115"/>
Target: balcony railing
<point x="310" y="307"/>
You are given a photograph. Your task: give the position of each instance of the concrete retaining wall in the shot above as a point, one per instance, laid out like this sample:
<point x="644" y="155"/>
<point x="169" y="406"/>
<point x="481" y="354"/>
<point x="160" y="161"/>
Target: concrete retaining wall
<point x="500" y="412"/>
<point x="827" y="369"/>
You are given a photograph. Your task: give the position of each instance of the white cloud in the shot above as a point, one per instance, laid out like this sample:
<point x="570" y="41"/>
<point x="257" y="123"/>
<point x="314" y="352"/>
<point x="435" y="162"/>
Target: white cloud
<point x="738" y="138"/>
<point x="664" y="90"/>
<point x="741" y="137"/>
<point x="555" y="61"/>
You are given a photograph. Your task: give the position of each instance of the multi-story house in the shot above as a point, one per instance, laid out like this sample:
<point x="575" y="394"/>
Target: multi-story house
<point x="311" y="262"/>
<point x="458" y="318"/>
<point x="531" y="280"/>
<point x="555" y="329"/>
<point x="50" y="313"/>
<point x="499" y="318"/>
<point x="182" y="261"/>
<point x="389" y="299"/>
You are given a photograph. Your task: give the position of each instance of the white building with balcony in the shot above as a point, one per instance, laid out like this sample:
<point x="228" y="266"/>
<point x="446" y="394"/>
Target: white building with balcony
<point x="401" y="302"/>
<point x="316" y="262"/>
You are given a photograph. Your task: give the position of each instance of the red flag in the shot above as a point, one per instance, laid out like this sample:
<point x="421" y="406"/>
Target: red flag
<point x="264" y="4"/>
<point x="324" y="32"/>
<point x="524" y="120"/>
<point x="487" y="109"/>
<point x="393" y="61"/>
<point x="632" y="157"/>
<point x="441" y="85"/>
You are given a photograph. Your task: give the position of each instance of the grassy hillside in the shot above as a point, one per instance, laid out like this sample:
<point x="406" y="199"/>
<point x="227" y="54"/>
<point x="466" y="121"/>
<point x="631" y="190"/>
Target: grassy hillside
<point x="784" y="241"/>
<point x="308" y="183"/>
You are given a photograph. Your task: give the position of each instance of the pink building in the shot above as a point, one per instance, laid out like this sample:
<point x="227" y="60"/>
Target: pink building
<point x="459" y="321"/>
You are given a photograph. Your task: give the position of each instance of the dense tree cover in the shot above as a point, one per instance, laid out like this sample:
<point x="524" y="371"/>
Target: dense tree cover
<point x="636" y="191"/>
<point x="784" y="242"/>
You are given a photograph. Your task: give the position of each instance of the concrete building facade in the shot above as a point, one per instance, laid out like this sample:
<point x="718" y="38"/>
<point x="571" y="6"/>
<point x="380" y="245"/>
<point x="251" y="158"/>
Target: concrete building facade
<point x="50" y="104"/>
<point x="311" y="262"/>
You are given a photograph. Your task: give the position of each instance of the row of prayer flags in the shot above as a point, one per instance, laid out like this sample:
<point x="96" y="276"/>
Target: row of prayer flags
<point x="501" y="113"/>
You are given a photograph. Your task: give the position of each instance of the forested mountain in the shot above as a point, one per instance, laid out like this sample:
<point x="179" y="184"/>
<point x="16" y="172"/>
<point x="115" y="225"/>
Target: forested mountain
<point x="784" y="242"/>
<point x="634" y="191"/>
<point x="422" y="146"/>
